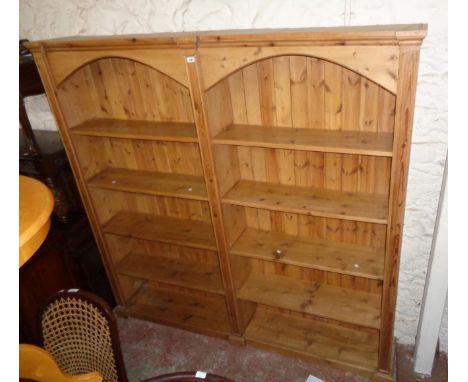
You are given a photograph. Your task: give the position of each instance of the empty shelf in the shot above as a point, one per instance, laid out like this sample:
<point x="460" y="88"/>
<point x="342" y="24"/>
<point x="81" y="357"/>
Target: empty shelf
<point x="187" y="311"/>
<point x="309" y="201"/>
<point x="341" y="304"/>
<point x="349" y="259"/>
<point x="151" y="183"/>
<point x="180" y="272"/>
<point x="149" y="130"/>
<point x="332" y="141"/>
<point x="313" y="339"/>
<point x="190" y="233"/>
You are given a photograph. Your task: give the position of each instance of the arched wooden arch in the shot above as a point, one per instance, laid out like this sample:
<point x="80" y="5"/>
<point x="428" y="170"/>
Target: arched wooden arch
<point x="167" y="61"/>
<point x="378" y="64"/>
<point x="115" y="87"/>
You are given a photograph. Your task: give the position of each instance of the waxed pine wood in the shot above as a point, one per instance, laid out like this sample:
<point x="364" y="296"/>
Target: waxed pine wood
<point x="121" y="128"/>
<point x="164" y="229"/>
<point x="341" y="304"/>
<point x="152" y="183"/>
<point x="357" y="260"/>
<point x="308" y="139"/>
<point x="313" y="339"/>
<point x="172" y="271"/>
<point x="247" y="184"/>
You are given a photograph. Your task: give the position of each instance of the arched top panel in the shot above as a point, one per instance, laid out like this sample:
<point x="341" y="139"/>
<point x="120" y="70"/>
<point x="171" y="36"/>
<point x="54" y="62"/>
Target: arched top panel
<point x="170" y="62"/>
<point x="120" y="88"/>
<point x="298" y="91"/>
<point x="377" y="63"/>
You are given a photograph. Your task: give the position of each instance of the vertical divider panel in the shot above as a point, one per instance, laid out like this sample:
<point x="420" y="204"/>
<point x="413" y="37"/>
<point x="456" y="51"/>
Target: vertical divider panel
<point x="206" y="151"/>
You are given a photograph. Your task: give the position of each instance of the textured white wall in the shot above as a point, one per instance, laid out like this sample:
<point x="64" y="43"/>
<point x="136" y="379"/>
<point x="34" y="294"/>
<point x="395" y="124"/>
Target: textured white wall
<point x="42" y="19"/>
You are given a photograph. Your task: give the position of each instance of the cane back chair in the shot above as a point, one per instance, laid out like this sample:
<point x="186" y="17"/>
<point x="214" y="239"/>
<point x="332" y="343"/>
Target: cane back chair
<point x="79" y="330"/>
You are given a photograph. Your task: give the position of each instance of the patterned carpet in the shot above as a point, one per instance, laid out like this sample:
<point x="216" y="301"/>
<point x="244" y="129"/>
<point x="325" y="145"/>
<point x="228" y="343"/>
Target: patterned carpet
<point x="151" y="349"/>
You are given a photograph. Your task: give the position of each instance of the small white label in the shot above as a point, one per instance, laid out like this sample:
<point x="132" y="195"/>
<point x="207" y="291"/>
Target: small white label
<point x="356" y="265"/>
<point x="73" y="290"/>
<point x="200" y="374"/>
<point x="313" y="379"/>
<point x="190" y="59"/>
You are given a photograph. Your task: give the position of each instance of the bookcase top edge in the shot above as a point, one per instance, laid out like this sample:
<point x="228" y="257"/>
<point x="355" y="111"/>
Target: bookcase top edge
<point x="385" y="33"/>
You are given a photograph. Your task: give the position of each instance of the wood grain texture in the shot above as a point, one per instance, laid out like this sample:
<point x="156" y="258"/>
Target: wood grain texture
<point x="345" y="142"/>
<point x="122" y="89"/>
<point x="317" y="228"/>
<point x="380" y="34"/>
<point x="305" y="252"/>
<point x="313" y="275"/>
<point x="313" y="298"/>
<point x="40" y="57"/>
<point x="399" y="176"/>
<point x="185" y="273"/>
<point x="109" y="203"/>
<point x="170" y="62"/>
<point x="155" y="131"/>
<point x="206" y="153"/>
<point x="151" y="183"/>
<point x="309" y="201"/>
<point x="350" y="173"/>
<point x="191" y="233"/>
<point x="310" y="153"/>
<point x="377" y="63"/>
<point x="97" y="154"/>
<point x="185" y="310"/>
<point x="157" y="249"/>
<point x="313" y="339"/>
<point x="312" y="93"/>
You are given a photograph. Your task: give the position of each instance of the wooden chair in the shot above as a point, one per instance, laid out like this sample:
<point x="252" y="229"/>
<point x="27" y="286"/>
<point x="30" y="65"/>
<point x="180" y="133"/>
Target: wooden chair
<point x="188" y="376"/>
<point x="38" y="365"/>
<point x="79" y="330"/>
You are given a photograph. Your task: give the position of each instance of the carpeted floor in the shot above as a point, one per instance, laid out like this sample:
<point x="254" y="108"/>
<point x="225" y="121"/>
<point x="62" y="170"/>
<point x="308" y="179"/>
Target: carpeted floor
<point x="150" y="349"/>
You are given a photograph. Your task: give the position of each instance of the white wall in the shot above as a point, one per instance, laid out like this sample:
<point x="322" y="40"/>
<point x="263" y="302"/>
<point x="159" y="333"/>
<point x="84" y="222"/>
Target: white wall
<point x="435" y="291"/>
<point x="41" y="19"/>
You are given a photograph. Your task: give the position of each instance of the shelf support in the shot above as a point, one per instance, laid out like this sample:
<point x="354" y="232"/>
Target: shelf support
<point x="206" y="151"/>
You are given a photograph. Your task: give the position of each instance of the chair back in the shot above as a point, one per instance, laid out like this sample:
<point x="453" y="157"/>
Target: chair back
<point x="38" y="365"/>
<point x="79" y="330"/>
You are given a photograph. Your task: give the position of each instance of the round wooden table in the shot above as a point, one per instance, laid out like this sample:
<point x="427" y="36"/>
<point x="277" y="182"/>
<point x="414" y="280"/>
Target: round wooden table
<point x="36" y="203"/>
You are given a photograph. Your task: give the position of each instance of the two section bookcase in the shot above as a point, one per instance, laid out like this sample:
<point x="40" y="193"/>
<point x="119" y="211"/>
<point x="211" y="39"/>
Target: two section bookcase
<point x="249" y="184"/>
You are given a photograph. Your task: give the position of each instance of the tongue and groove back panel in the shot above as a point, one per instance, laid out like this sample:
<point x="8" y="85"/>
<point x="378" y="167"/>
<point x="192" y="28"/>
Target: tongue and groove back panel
<point x="247" y="184"/>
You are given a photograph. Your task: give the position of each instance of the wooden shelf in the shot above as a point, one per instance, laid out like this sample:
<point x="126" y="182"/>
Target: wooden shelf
<point x="189" y="233"/>
<point x="120" y="128"/>
<point x="301" y="251"/>
<point x="329" y="141"/>
<point x="309" y="201"/>
<point x="151" y="183"/>
<point x="188" y="274"/>
<point x="313" y="339"/>
<point x="341" y="304"/>
<point x="187" y="311"/>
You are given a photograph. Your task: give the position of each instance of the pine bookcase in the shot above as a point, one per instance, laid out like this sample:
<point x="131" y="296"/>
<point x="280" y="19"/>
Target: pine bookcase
<point x="247" y="184"/>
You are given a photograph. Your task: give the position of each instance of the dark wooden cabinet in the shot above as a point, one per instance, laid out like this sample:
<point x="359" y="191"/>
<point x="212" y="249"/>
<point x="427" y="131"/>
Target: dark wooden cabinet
<point x="47" y="272"/>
